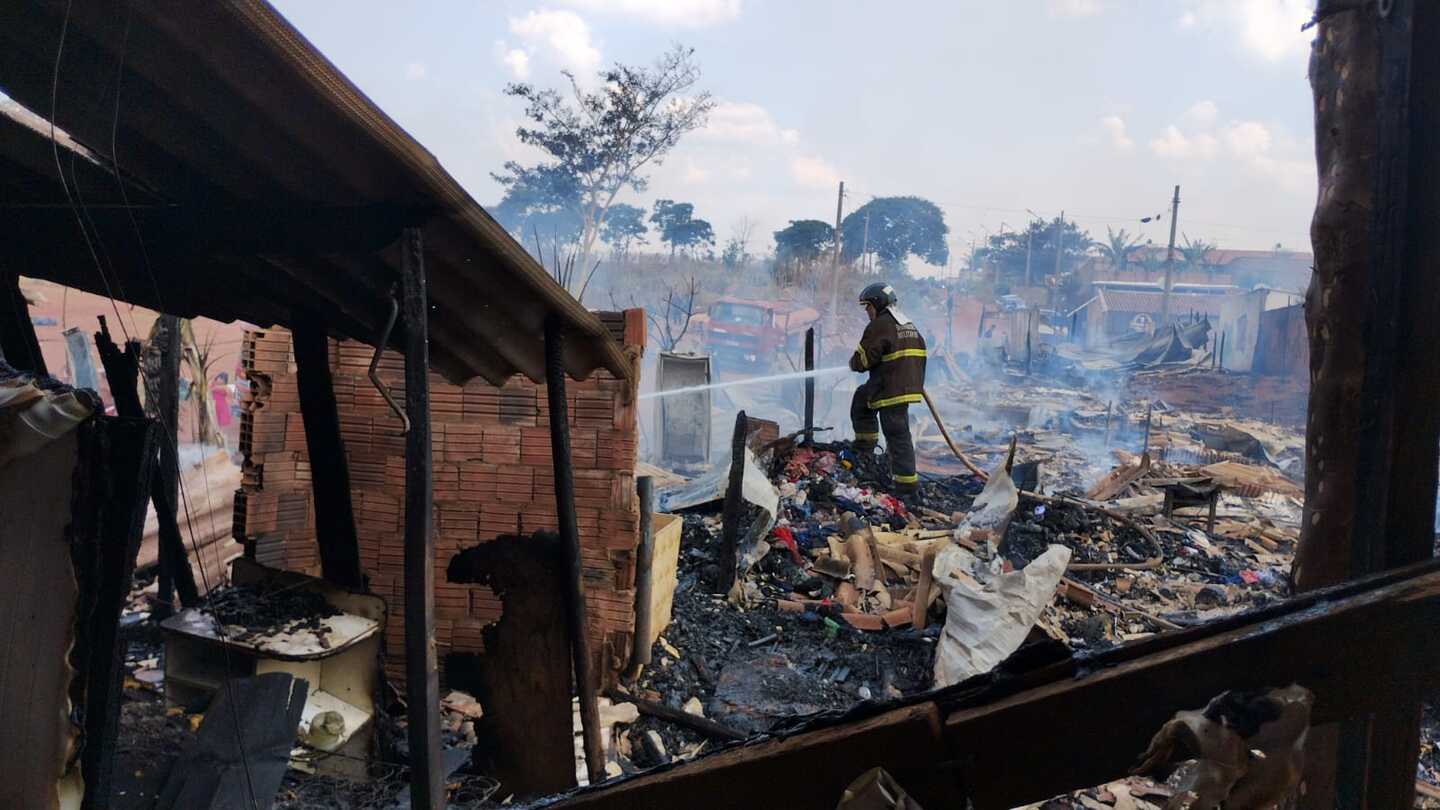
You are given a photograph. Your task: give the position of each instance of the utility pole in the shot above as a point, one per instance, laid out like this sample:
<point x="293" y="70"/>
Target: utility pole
<point x="1029" y="245"/>
<point x="835" y="282"/>
<point x="1169" y="262"/>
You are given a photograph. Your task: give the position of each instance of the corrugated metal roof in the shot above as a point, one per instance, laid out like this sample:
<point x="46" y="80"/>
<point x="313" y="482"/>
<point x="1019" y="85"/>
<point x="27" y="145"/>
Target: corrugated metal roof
<point x="1150" y="302"/>
<point x="261" y="185"/>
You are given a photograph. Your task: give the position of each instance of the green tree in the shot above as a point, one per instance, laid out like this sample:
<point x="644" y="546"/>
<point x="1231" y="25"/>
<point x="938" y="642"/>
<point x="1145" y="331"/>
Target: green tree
<point x="804" y="240"/>
<point x="899" y="227"/>
<point x="679" y="228"/>
<point x="1117" y="247"/>
<point x="1006" y="251"/>
<point x="1196" y="254"/>
<point x="799" y="245"/>
<point x="604" y="138"/>
<point x="541" y="203"/>
<point x="624" y="225"/>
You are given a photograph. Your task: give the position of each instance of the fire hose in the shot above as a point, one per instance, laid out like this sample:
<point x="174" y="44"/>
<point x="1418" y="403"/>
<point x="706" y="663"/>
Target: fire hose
<point x="969" y="465"/>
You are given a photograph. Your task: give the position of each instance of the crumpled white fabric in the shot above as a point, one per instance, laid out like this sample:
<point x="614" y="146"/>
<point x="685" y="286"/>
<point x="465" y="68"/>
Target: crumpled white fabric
<point x="31" y="418"/>
<point x="988" y="613"/>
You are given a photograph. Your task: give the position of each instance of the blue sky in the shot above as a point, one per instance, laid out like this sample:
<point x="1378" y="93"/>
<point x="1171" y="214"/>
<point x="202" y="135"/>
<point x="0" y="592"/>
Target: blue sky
<point x="1097" y="107"/>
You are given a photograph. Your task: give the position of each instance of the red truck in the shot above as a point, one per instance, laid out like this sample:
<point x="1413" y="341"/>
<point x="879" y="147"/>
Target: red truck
<point x="746" y="333"/>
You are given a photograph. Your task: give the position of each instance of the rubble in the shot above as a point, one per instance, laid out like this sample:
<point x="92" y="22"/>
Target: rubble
<point x="1104" y="532"/>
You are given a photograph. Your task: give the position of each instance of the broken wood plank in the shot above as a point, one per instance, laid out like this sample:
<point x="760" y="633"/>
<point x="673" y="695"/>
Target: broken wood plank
<point x="680" y="717"/>
<point x="921" y="608"/>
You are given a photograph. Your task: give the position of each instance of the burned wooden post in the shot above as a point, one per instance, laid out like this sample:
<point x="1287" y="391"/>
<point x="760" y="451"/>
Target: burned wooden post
<point x="644" y="579"/>
<point x="18" y="343"/>
<point x="1373" y="314"/>
<point x="122" y="370"/>
<point x="810" y="386"/>
<point x="117" y="485"/>
<point x="161" y="374"/>
<point x="734" y="509"/>
<point x="422" y="681"/>
<point x="1149" y="411"/>
<point x="570" y="538"/>
<point x="335" y="534"/>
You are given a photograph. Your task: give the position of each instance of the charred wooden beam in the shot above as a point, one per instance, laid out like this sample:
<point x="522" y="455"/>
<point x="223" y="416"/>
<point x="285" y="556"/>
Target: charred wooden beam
<point x="585" y="682"/>
<point x="18" y="344"/>
<point x="335" y="533"/>
<point x="733" y="510"/>
<point x="162" y="389"/>
<point x="116" y="483"/>
<point x="422" y="681"/>
<point x="122" y="369"/>
<point x="809" y="387"/>
<point x="1024" y="736"/>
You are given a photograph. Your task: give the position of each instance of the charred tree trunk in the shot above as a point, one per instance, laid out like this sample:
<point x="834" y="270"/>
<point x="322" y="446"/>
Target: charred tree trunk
<point x="1373" y="313"/>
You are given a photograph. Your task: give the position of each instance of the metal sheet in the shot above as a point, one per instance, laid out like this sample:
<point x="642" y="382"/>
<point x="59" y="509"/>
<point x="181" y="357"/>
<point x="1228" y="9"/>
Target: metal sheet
<point x="683" y="420"/>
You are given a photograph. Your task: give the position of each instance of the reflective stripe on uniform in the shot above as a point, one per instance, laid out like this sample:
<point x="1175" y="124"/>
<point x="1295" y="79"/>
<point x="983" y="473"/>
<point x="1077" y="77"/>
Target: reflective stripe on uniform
<point x="868" y="436"/>
<point x="906" y="479"/>
<point x="903" y="353"/>
<point x="903" y="399"/>
<point x="864" y="360"/>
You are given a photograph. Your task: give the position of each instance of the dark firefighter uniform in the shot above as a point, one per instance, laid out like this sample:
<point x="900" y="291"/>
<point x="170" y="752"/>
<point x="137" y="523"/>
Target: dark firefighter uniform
<point x="894" y="354"/>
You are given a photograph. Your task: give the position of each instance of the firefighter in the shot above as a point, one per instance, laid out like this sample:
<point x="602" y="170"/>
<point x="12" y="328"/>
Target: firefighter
<point x="893" y="351"/>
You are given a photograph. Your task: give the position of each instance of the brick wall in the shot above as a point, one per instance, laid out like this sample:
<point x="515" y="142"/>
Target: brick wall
<point x="492" y="476"/>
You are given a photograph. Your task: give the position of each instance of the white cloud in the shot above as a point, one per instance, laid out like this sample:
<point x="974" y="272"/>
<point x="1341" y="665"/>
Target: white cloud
<point x="415" y="71"/>
<point x="1075" y="8"/>
<point x="562" y="35"/>
<point x="746" y="122"/>
<point x="678" y="13"/>
<point x="1173" y="143"/>
<point x="694" y="174"/>
<point x="1251" y="147"/>
<point x="1114" y="126"/>
<point x="515" y="60"/>
<point x="813" y="172"/>
<point x="1247" y="139"/>
<point x="1269" y="29"/>
<point x="1270" y="155"/>
<point x="1202" y="114"/>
